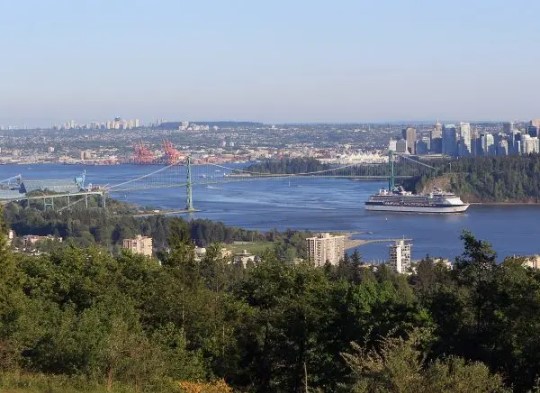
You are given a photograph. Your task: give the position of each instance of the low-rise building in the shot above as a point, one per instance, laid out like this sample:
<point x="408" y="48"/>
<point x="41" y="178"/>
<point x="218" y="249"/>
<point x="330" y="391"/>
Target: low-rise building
<point x="32" y="240"/>
<point x="139" y="245"/>
<point x="532" y="261"/>
<point x="244" y="258"/>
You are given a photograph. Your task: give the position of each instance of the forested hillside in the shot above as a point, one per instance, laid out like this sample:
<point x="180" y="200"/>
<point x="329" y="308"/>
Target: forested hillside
<point x="288" y="165"/>
<point x="107" y="227"/>
<point x="81" y="320"/>
<point x="508" y="179"/>
<point x="491" y="179"/>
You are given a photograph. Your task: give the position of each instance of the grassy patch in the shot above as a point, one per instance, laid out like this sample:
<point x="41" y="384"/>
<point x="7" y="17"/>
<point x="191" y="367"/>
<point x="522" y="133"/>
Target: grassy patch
<point x="256" y="248"/>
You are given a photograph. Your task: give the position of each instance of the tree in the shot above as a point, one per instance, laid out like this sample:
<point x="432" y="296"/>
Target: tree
<point x="399" y="365"/>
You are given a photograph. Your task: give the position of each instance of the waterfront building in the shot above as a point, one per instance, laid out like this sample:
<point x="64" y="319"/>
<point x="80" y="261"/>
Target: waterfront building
<point x="465" y="139"/>
<point x="401" y="146"/>
<point x="515" y="137"/>
<point x="502" y="148"/>
<point x="435" y="145"/>
<point x="435" y="136"/>
<point x="392" y="145"/>
<point x="487" y="142"/>
<point x="325" y="248"/>
<point x="422" y="146"/>
<point x="508" y="127"/>
<point x="449" y="140"/>
<point x="529" y="144"/>
<point x="437" y="130"/>
<point x="139" y="245"/>
<point x="462" y="150"/>
<point x="400" y="255"/>
<point x="409" y="134"/>
<point x="533" y="131"/>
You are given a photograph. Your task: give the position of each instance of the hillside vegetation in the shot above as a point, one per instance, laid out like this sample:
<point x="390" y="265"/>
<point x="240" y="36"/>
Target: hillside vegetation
<point x="509" y="179"/>
<point x="81" y="320"/>
<point x="513" y="179"/>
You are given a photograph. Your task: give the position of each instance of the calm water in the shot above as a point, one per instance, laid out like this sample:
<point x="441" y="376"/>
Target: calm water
<point x="319" y="205"/>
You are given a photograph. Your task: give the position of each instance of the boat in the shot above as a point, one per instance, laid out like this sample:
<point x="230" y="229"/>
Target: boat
<point x="399" y="200"/>
<point x="396" y="199"/>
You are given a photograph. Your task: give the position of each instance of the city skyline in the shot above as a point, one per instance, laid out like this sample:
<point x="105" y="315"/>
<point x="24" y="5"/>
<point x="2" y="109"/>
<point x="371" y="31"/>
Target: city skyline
<point x="275" y="63"/>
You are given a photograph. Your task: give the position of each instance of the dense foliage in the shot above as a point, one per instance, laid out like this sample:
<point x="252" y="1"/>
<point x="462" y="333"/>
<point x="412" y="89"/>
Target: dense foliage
<point x="288" y="166"/>
<point x="475" y="179"/>
<point x="491" y="179"/>
<point x="108" y="226"/>
<point x="126" y="323"/>
<point x="312" y="166"/>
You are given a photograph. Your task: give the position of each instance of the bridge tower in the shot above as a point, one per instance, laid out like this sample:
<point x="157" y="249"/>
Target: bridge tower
<point x="189" y="186"/>
<point x="391" y="178"/>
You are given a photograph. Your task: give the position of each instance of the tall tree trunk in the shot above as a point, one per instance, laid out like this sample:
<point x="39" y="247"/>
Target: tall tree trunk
<point x="109" y="379"/>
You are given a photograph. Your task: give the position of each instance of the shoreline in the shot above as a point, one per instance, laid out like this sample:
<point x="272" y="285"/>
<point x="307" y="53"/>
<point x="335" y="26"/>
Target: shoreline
<point x="354" y="243"/>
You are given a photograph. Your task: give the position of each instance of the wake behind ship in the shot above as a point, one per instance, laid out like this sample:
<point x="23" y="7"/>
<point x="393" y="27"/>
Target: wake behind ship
<point x="396" y="199"/>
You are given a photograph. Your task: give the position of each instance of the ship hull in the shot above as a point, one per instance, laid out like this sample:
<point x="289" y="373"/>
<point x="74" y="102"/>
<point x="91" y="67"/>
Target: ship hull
<point x="418" y="209"/>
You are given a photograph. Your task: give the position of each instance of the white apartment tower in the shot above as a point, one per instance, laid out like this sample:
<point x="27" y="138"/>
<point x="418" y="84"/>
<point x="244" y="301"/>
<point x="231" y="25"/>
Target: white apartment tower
<point x="325" y="248"/>
<point x="400" y="256"/>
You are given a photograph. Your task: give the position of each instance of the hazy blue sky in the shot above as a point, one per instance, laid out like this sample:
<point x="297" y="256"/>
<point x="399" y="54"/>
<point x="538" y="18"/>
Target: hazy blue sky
<point x="272" y="61"/>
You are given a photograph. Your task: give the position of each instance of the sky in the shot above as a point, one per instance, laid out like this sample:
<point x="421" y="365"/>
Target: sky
<point x="273" y="61"/>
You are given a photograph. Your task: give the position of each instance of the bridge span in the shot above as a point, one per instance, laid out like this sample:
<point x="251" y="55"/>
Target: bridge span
<point x="183" y="175"/>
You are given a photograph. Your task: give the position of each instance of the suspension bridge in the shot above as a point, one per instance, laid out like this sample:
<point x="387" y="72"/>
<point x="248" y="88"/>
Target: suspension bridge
<point x="185" y="175"/>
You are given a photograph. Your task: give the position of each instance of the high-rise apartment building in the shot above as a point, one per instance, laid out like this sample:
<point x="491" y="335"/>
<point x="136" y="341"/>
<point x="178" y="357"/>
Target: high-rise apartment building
<point x="409" y="134"/>
<point x="488" y="144"/>
<point x="465" y="139"/>
<point x="139" y="245"/>
<point x="437" y="130"/>
<point x="535" y="123"/>
<point x="325" y="248"/>
<point x="529" y="144"/>
<point x="502" y="148"/>
<point x="422" y="145"/>
<point x="449" y="140"/>
<point x="400" y="256"/>
<point x="508" y="127"/>
<point x="435" y="143"/>
<point x="392" y="145"/>
<point x="401" y="146"/>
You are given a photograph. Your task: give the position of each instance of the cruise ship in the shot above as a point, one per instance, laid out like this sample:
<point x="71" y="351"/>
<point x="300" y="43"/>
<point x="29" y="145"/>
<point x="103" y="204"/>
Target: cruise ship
<point x="396" y="199"/>
<point x="399" y="200"/>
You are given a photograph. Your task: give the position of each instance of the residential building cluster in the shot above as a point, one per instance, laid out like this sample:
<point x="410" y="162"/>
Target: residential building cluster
<point x="223" y="142"/>
<point x="187" y="126"/>
<point x="116" y="124"/>
<point x="462" y="140"/>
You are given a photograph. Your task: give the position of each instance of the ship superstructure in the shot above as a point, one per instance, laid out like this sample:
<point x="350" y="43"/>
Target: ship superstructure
<point x="396" y="199"/>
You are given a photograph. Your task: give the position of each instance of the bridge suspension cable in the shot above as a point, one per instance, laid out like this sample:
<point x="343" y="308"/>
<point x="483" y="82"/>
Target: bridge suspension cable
<point x="415" y="161"/>
<point x="263" y="174"/>
<point x="141" y="177"/>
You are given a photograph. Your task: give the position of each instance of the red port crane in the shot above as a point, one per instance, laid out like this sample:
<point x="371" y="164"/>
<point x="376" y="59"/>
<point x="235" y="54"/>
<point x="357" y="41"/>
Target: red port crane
<point x="172" y="156"/>
<point x="143" y="155"/>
